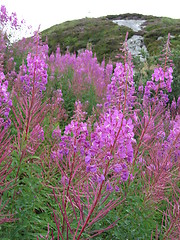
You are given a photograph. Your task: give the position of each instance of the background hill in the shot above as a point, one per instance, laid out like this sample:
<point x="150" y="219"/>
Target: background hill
<point x="106" y="37"/>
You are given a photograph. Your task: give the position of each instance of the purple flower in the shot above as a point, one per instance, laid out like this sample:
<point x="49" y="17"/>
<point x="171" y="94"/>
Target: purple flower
<point x="41" y="134"/>
<point x="10" y="103"/>
<point x="5" y="102"/>
<point x="118" y="168"/>
<point x="87" y="159"/>
<point x="64" y="180"/>
<point x="124" y="166"/>
<point x="178" y="102"/>
<point x="56" y="133"/>
<point x="91" y="168"/>
<point x="125" y="175"/>
<point x="116" y="188"/>
<point x="109" y="188"/>
<point x="97" y="178"/>
<point x="102" y="178"/>
<point x="140" y="88"/>
<point x="6" y="113"/>
<point x="53" y="155"/>
<point x="173" y="105"/>
<point x="37" y="73"/>
<point x="117" y="89"/>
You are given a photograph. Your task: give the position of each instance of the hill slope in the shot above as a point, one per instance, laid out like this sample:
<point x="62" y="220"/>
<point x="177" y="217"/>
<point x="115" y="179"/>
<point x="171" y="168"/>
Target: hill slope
<point x="106" y="37"/>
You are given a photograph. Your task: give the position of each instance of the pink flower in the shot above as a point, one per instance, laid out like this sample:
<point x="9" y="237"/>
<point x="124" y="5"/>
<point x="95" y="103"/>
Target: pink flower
<point x="91" y="168"/>
<point x="109" y="188"/>
<point x="87" y="159"/>
<point x="56" y="133"/>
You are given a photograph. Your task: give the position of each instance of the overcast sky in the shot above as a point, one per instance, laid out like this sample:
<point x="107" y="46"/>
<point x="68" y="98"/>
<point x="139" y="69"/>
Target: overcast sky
<point x="50" y="12"/>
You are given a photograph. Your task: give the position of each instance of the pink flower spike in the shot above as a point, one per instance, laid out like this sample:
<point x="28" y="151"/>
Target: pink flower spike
<point x="118" y="168"/>
<point x="87" y="159"/>
<point x="91" y="168"/>
<point x="109" y="188"/>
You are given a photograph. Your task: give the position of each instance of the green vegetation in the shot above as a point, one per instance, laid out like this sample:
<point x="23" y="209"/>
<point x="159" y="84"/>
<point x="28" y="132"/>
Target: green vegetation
<point x="103" y="35"/>
<point x="106" y="36"/>
<point x="160" y="27"/>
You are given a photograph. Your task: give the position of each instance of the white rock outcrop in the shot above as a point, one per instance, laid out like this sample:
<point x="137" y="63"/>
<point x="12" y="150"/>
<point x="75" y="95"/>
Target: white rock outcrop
<point x="136" y="42"/>
<point x="135" y="25"/>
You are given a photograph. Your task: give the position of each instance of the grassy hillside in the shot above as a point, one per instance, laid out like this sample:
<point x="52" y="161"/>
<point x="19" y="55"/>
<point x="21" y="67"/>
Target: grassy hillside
<point x="102" y="34"/>
<point x="106" y="37"/>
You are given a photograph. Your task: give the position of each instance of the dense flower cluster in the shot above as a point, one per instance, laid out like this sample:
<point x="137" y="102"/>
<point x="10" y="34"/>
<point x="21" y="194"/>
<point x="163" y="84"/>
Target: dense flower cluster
<point x="5" y="101"/>
<point x="163" y="78"/>
<point x="57" y="97"/>
<point x="111" y="141"/>
<point x="121" y="83"/>
<point x="60" y="62"/>
<point x="158" y="86"/>
<point x="56" y="134"/>
<point x="174" y="140"/>
<point x="86" y="71"/>
<point x="2" y="52"/>
<point x="35" y="74"/>
<point x="5" y="18"/>
<point x="166" y="153"/>
<point x="73" y="140"/>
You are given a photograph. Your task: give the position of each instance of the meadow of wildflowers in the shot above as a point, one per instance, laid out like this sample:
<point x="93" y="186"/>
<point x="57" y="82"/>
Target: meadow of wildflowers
<point x="85" y="152"/>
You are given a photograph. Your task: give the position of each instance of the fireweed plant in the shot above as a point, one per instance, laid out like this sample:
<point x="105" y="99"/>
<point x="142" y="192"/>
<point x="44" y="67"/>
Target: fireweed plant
<point x="5" y="146"/>
<point x="98" y="160"/>
<point x="69" y="172"/>
<point x="158" y="151"/>
<point x="83" y="76"/>
<point x="30" y="109"/>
